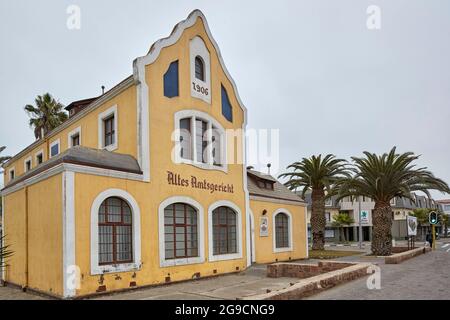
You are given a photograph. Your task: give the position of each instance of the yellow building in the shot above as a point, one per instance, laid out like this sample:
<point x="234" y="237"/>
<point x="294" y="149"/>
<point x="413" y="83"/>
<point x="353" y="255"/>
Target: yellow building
<point x="147" y="184"/>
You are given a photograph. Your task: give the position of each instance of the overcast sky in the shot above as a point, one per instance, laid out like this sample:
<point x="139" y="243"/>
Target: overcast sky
<point x="309" y="68"/>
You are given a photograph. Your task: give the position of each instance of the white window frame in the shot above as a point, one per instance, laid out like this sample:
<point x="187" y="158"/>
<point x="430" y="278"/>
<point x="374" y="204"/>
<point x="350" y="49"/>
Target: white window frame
<point x="163" y="262"/>
<point x="136" y="229"/>
<point x="291" y="243"/>
<point x="56" y="142"/>
<point x="13" y="169"/>
<point x="101" y="129"/>
<point x="211" y="122"/>
<point x="40" y="152"/>
<point x="328" y="202"/>
<point x="73" y="133"/>
<point x="25" y="164"/>
<point x="229" y="256"/>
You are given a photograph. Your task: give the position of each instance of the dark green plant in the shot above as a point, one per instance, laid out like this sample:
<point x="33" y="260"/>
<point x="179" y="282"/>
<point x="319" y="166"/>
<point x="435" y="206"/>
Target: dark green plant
<point x="5" y="253"/>
<point x="46" y="115"/>
<point x="3" y="158"/>
<point x="342" y="220"/>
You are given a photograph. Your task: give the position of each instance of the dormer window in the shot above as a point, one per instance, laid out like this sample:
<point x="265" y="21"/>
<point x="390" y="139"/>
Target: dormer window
<point x="199" y="68"/>
<point x="264" y="184"/>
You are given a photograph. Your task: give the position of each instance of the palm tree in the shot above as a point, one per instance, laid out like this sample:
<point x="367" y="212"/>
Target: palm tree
<point x="317" y="175"/>
<point x="46" y="115"/>
<point x="4" y="158"/>
<point x="341" y="220"/>
<point x="382" y="178"/>
<point x="4" y="252"/>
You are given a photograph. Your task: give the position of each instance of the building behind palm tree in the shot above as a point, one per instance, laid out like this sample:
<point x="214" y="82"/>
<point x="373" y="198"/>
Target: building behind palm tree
<point x="401" y="208"/>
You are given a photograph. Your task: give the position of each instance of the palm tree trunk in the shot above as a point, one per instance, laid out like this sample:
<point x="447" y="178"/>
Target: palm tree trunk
<point x="318" y="220"/>
<point x="382" y="223"/>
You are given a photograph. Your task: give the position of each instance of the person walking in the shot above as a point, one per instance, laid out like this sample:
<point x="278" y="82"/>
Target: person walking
<point x="429" y="239"/>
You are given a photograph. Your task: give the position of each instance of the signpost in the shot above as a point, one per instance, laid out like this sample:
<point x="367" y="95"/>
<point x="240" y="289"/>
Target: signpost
<point x="360" y="223"/>
<point x="363" y="218"/>
<point x="411" y="230"/>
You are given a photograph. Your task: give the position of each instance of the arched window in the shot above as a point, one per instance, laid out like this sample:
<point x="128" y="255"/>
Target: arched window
<point x="115" y="238"/>
<point x="199" y="68"/>
<point x="282" y="231"/>
<point x="224" y="231"/>
<point x="180" y="231"/>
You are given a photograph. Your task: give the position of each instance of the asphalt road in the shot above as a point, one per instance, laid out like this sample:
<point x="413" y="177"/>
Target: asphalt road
<point x="424" y="277"/>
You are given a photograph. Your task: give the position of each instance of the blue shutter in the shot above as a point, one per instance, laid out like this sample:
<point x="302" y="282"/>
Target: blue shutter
<point x="227" y="110"/>
<point x="171" y="81"/>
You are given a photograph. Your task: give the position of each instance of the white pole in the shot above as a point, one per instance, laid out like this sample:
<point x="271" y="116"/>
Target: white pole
<point x="360" y="224"/>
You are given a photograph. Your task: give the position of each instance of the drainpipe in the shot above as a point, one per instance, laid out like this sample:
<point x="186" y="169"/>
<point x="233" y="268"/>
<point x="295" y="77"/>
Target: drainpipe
<point x="25" y="286"/>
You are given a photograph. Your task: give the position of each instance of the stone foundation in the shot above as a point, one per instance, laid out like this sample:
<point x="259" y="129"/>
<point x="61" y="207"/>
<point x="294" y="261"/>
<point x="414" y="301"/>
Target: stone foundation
<point x="302" y="271"/>
<point x="405" y="255"/>
<point x="314" y="278"/>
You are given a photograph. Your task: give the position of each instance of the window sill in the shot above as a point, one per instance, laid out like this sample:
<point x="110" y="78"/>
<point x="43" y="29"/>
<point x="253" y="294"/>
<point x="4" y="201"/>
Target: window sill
<point x="278" y="250"/>
<point x="181" y="262"/>
<point x="111" y="147"/>
<point x="125" y="267"/>
<point x="201" y="165"/>
<point x="223" y="257"/>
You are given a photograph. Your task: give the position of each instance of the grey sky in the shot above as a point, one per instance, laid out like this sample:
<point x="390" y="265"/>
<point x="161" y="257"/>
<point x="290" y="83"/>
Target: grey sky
<point x="310" y="68"/>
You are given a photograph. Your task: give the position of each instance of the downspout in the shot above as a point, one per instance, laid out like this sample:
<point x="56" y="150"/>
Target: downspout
<point x="25" y="286"/>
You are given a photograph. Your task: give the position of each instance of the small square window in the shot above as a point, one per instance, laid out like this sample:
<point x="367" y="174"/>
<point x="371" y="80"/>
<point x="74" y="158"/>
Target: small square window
<point x="109" y="130"/>
<point x="54" y="149"/>
<point x="75" y="140"/>
<point x="28" y="165"/>
<point x="12" y="174"/>
<point x="39" y="158"/>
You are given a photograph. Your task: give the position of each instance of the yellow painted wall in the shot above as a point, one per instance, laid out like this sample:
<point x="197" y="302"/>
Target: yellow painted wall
<point x="127" y="117"/>
<point x="148" y="197"/>
<point x="14" y="230"/>
<point x="44" y="235"/>
<point x="264" y="245"/>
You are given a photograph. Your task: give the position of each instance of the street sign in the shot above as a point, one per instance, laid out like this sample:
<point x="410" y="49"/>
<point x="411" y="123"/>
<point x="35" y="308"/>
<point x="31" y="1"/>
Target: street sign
<point x="364" y="216"/>
<point x="411" y="224"/>
<point x="264" y="227"/>
<point x="433" y="217"/>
